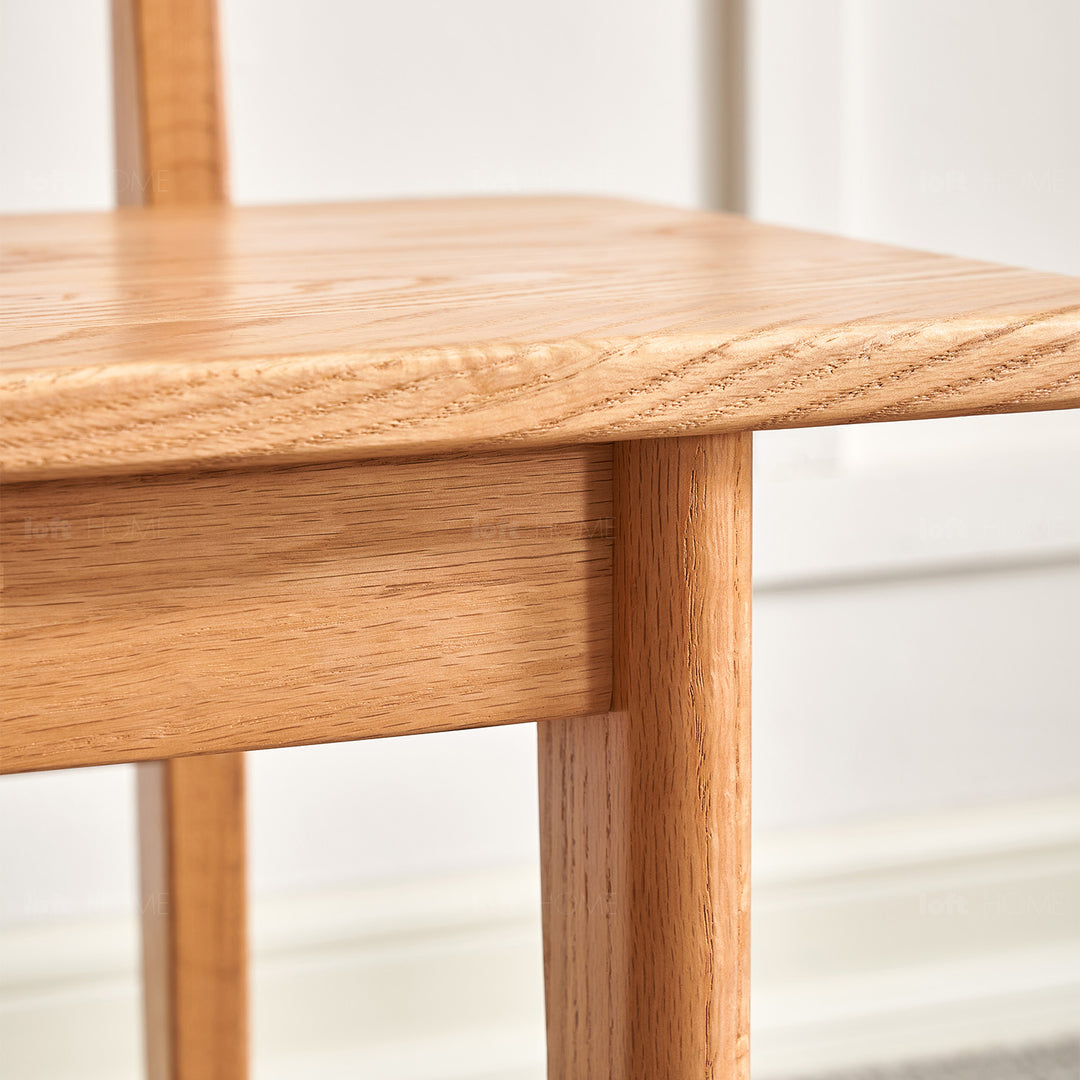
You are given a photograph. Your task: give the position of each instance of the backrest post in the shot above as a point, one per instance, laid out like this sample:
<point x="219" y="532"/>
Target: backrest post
<point x="170" y="151"/>
<point x="170" y="132"/>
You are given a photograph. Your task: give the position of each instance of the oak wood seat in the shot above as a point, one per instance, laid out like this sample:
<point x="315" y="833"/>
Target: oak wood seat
<point x="173" y="338"/>
<point x="280" y="476"/>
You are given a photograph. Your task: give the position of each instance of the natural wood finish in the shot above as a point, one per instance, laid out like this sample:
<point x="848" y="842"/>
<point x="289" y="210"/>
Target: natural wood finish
<point x="645" y="813"/>
<point x="170" y="150"/>
<point x="205" y="336"/>
<point x="170" y="147"/>
<point x="584" y="854"/>
<point x="133" y="185"/>
<point x="191" y="838"/>
<point x="149" y="617"/>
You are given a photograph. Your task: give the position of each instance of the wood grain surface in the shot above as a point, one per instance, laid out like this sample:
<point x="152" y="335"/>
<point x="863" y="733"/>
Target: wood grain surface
<point x="170" y="150"/>
<point x="207" y="336"/>
<point x="194" y="918"/>
<point x="645" y="813"/>
<point x="169" y="129"/>
<point x="148" y="617"/>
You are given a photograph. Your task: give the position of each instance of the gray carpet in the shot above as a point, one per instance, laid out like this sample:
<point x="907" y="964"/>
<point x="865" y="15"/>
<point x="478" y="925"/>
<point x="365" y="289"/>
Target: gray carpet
<point x="1049" y="1061"/>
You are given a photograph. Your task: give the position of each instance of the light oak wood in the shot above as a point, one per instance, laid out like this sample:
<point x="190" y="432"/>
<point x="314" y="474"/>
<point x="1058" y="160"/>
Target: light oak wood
<point x="150" y="617"/>
<point x="170" y="150"/>
<point x="191" y="839"/>
<point x="170" y="143"/>
<point x="645" y="813"/>
<point x="210" y="335"/>
<point x="279" y="601"/>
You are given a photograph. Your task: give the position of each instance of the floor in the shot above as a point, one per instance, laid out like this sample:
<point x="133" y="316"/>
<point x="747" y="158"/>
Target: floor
<point x="1049" y="1061"/>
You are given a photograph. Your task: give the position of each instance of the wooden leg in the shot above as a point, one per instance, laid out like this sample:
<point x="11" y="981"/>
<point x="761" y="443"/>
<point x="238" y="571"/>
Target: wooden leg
<point x="191" y="840"/>
<point x="645" y="812"/>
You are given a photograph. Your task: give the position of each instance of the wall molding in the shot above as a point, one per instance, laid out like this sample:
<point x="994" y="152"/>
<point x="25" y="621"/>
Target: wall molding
<point x="906" y="937"/>
<point x="916" y="937"/>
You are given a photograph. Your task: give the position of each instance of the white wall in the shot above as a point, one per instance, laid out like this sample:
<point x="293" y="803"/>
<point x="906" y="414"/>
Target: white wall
<point x="332" y="100"/>
<point x="947" y="125"/>
<point x="941" y="124"/>
<point x="55" y="102"/>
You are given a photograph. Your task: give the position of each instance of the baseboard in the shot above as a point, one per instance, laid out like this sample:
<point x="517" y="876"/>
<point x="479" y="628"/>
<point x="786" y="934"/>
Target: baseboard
<point x="420" y="980"/>
<point x="430" y="979"/>
<point x="916" y="937"/>
<point x="894" y="939"/>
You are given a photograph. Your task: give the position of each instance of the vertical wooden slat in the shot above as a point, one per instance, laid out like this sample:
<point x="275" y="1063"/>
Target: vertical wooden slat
<point x="170" y="150"/>
<point x="132" y="184"/>
<point x="191" y="817"/>
<point x="170" y="135"/>
<point x="645" y="812"/>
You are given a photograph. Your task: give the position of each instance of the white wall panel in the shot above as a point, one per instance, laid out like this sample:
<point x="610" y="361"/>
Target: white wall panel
<point x="55" y="106"/>
<point x="963" y="131"/>
<point x="948" y="125"/>
<point x="915" y="696"/>
<point x="332" y="100"/>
